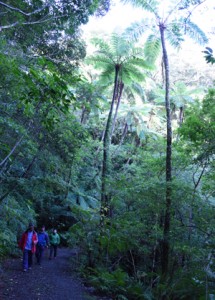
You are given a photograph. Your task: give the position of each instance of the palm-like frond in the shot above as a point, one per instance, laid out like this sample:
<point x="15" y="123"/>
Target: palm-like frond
<point x="193" y="31"/>
<point x="182" y="95"/>
<point x="135" y="30"/>
<point x="148" y="5"/>
<point x="99" y="61"/>
<point x="174" y="34"/>
<point x="159" y="96"/>
<point x="132" y="90"/>
<point x="139" y="90"/>
<point x="152" y="47"/>
<point x="132" y="73"/>
<point x="209" y="57"/>
<point x="119" y="46"/>
<point x="141" y="63"/>
<point x="108" y="72"/>
<point x="101" y="44"/>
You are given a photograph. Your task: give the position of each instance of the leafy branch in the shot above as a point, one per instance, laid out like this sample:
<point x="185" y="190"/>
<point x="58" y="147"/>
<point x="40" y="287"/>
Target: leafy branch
<point x="209" y="57"/>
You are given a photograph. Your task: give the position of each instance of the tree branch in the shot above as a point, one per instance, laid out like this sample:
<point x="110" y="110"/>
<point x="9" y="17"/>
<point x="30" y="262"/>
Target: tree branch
<point x="9" y="26"/>
<point x="11" y="152"/>
<point x="21" y="11"/>
<point x="190" y="12"/>
<point x="196" y="183"/>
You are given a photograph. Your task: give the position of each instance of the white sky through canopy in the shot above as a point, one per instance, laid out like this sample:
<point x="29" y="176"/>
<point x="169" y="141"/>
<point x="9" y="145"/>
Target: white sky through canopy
<point x="121" y="16"/>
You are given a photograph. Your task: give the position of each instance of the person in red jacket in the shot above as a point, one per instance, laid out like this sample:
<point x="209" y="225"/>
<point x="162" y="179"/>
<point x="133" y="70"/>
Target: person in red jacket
<point x="28" y="243"/>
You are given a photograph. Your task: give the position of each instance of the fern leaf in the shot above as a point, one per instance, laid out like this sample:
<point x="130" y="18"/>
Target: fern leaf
<point x="192" y="30"/>
<point x="152" y="48"/>
<point x="148" y="5"/>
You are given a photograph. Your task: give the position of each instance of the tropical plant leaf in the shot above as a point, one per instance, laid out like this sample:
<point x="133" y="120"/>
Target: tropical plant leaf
<point x="193" y="31"/>
<point x="148" y="5"/>
<point x="174" y="34"/>
<point x="152" y="47"/>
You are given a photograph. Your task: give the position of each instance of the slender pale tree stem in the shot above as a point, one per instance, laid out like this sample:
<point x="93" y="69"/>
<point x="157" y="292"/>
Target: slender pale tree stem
<point x="106" y="154"/>
<point x="121" y="86"/>
<point x="167" y="215"/>
<point x="11" y="152"/>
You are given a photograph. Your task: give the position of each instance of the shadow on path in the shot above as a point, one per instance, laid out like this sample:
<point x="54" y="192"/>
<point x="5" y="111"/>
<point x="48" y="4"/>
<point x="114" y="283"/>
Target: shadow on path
<point x="53" y="280"/>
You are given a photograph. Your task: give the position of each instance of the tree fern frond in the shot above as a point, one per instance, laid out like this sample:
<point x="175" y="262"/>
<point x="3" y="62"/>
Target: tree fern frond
<point x="141" y="63"/>
<point x="119" y="45"/>
<point x="134" y="31"/>
<point x="98" y="61"/>
<point x="105" y="83"/>
<point x="152" y="48"/>
<point x="193" y="31"/>
<point x="108" y="73"/>
<point x="138" y="90"/>
<point x="130" y="72"/>
<point x="148" y="5"/>
<point x="174" y="34"/>
<point x="101" y="44"/>
<point x="106" y="54"/>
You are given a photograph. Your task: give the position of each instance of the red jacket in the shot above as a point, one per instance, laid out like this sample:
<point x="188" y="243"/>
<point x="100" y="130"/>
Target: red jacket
<point x="23" y="241"/>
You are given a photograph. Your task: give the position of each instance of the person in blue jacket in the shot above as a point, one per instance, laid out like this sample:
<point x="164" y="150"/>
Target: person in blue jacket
<point x="43" y="242"/>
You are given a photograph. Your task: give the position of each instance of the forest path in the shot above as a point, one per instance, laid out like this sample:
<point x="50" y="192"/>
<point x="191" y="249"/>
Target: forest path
<point x="53" y="280"/>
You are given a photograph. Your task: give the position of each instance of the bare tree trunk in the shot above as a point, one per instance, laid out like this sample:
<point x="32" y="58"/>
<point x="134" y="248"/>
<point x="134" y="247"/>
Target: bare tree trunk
<point x="180" y="121"/>
<point x="167" y="214"/>
<point x="181" y="116"/>
<point x="83" y="114"/>
<point x="104" y="211"/>
<point x="120" y="86"/>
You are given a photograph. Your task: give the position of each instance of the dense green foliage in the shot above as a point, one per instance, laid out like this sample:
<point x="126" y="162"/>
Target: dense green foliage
<point x="52" y="126"/>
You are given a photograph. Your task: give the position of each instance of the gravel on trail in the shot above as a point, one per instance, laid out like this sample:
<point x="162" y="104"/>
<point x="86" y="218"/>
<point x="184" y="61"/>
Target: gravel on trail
<point x="52" y="280"/>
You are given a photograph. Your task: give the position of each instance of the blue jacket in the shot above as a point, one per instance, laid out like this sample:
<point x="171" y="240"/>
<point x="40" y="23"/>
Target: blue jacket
<point x="43" y="239"/>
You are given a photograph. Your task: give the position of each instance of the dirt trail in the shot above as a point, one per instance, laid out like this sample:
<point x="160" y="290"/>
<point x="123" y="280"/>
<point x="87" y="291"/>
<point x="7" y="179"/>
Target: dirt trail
<point x="53" y="280"/>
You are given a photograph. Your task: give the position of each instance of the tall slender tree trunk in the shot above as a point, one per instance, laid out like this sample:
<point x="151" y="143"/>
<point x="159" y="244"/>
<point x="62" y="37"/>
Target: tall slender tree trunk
<point x="181" y="116"/>
<point x="104" y="211"/>
<point x="167" y="214"/>
<point x="83" y="114"/>
<point x="120" y="87"/>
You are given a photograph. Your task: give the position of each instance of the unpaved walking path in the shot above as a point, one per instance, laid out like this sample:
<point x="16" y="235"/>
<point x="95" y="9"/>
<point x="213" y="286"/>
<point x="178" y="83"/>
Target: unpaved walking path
<point x="53" y="280"/>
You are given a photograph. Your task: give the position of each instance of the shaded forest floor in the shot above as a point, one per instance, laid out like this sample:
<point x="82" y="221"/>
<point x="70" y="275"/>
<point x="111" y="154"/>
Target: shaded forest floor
<point x="53" y="280"/>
